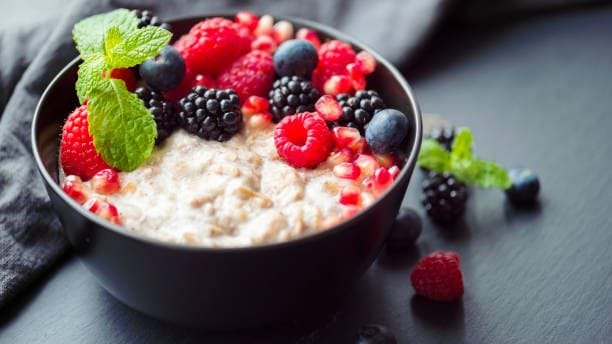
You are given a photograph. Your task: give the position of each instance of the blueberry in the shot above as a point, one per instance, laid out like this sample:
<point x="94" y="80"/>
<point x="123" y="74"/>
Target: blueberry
<point x="386" y="131"/>
<point x="165" y="71"/>
<point x="405" y="231"/>
<point x="375" y="334"/>
<point x="525" y="186"/>
<point x="295" y="57"/>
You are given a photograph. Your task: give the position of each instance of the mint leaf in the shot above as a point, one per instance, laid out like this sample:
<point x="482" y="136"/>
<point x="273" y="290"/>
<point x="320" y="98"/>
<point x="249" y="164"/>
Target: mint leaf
<point x="462" y="144"/>
<point x="123" y="130"/>
<point x="90" y="72"/>
<point x="433" y="156"/>
<point x="88" y="34"/>
<point x="138" y="46"/>
<point x="483" y="173"/>
<point x="112" y="38"/>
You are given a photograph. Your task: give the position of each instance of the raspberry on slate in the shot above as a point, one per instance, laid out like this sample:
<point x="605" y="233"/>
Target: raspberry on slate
<point x="333" y="58"/>
<point x="213" y="44"/>
<point x="211" y="114"/>
<point x="303" y="140"/>
<point x="358" y="110"/>
<point x="78" y="155"/>
<point x="291" y="95"/>
<point x="250" y="75"/>
<point x="164" y="113"/>
<point x="147" y="18"/>
<point x="444" y="197"/>
<point x="438" y="276"/>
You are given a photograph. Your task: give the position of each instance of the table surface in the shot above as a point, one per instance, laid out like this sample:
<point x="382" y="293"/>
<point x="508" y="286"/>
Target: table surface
<point x="536" y="92"/>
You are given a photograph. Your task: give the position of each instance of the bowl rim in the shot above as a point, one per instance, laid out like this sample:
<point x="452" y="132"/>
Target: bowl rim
<point x="344" y="225"/>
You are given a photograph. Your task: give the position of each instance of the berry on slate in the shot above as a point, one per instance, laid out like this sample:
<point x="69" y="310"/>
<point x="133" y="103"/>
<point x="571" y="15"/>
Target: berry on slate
<point x="525" y="186"/>
<point x="444" y="197"/>
<point x="77" y="152"/>
<point x="213" y="44"/>
<point x="291" y="95"/>
<point x="295" y="57"/>
<point x="73" y="186"/>
<point x="147" y="18"/>
<point x="386" y="131"/>
<point x="438" y="276"/>
<point x="164" y="113"/>
<point x="375" y="334"/>
<point x="334" y="55"/>
<point x="444" y="136"/>
<point x="250" y="75"/>
<point x="165" y="71"/>
<point x="405" y="231"/>
<point x="303" y="140"/>
<point x="211" y="114"/>
<point x="357" y="111"/>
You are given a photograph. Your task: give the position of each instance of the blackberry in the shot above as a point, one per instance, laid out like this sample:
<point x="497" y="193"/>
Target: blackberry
<point x="210" y="113"/>
<point x="444" y="197"/>
<point x="164" y="112"/>
<point x="445" y="136"/>
<point x="147" y="18"/>
<point x="291" y="95"/>
<point x="357" y="111"/>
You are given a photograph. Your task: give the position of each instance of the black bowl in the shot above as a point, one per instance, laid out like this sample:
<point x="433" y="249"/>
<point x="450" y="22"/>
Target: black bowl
<point x="226" y="288"/>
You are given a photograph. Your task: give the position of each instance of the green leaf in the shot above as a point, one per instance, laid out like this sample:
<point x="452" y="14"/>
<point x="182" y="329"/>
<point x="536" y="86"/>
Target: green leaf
<point x="138" y="46"/>
<point x="462" y="144"/>
<point x="89" y="74"/>
<point x="88" y="34"/>
<point x="483" y="173"/>
<point x="112" y="38"/>
<point x="123" y="130"/>
<point x="433" y="156"/>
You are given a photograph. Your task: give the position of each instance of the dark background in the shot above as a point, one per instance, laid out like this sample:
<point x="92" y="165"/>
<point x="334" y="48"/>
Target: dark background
<point x="536" y="89"/>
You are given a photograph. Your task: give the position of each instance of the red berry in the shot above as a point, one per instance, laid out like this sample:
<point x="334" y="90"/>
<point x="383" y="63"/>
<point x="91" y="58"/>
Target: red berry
<point x="103" y="209"/>
<point x="203" y="80"/>
<point x="347" y="170"/>
<point x="260" y="120"/>
<point x="337" y="84"/>
<point x="438" y="276"/>
<point x="343" y="155"/>
<point x="190" y="80"/>
<point x="310" y="36"/>
<point x="282" y="31"/>
<point x="106" y="181"/>
<point x="73" y="186"/>
<point x="303" y="140"/>
<point x="358" y="82"/>
<point x="366" y="62"/>
<point x="346" y="136"/>
<point x="328" y="107"/>
<point x="333" y="58"/>
<point x="247" y="19"/>
<point x="367" y="164"/>
<point x="126" y="75"/>
<point x="250" y="75"/>
<point x="349" y="195"/>
<point x="213" y="44"/>
<point x="359" y="146"/>
<point x="382" y="180"/>
<point x="255" y="104"/>
<point x="77" y="152"/>
<point x="265" y="26"/>
<point x="394" y="171"/>
<point x="264" y="43"/>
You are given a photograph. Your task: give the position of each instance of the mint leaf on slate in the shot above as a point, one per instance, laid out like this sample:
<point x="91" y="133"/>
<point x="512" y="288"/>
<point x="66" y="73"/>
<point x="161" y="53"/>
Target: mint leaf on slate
<point x="483" y="173"/>
<point x="89" y="74"/>
<point x="137" y="46"/>
<point x="123" y="129"/>
<point x="462" y="144"/>
<point x="88" y="34"/>
<point x="433" y="156"/>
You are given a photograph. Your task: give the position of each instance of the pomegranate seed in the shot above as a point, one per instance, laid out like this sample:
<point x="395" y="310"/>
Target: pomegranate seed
<point x="350" y="211"/>
<point x="310" y="36"/>
<point x="255" y="104"/>
<point x="103" y="209"/>
<point x="384" y="160"/>
<point x="349" y="195"/>
<point x="345" y="136"/>
<point x="282" y="31"/>
<point x="367" y="164"/>
<point x="247" y="19"/>
<point x="382" y="180"/>
<point x="394" y="171"/>
<point x="354" y="70"/>
<point x="368" y="183"/>
<point x="264" y="26"/>
<point x="260" y="120"/>
<point x="337" y="84"/>
<point x="366" y="62"/>
<point x="359" y="83"/>
<point x="347" y="170"/>
<point x="359" y="146"/>
<point x="328" y="107"/>
<point x="106" y="181"/>
<point x="73" y="186"/>
<point x="264" y="43"/>
<point x="343" y="155"/>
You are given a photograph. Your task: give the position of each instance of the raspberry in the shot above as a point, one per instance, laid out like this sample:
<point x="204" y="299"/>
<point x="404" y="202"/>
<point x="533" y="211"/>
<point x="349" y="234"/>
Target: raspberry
<point x="303" y="140"/>
<point x="213" y="44"/>
<point x="77" y="152"/>
<point x="334" y="56"/>
<point x="250" y="75"/>
<point x="291" y="95"/>
<point x="126" y="75"/>
<point x="163" y="112"/>
<point x="438" y="276"/>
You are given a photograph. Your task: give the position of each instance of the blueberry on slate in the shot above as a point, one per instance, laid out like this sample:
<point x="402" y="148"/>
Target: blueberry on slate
<point x="405" y="231"/>
<point x="525" y="186"/>
<point x="165" y="71"/>
<point x="375" y="334"/>
<point x="295" y="57"/>
<point x="386" y="131"/>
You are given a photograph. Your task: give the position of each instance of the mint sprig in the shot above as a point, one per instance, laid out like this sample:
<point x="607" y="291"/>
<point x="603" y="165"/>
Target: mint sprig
<point x="461" y="162"/>
<point x="123" y="130"/>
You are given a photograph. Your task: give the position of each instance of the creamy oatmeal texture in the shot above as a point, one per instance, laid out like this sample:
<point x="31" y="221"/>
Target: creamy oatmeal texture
<point x="235" y="193"/>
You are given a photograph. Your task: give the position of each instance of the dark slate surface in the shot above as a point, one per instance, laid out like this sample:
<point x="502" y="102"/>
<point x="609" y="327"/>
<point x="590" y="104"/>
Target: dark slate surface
<point x="536" y="93"/>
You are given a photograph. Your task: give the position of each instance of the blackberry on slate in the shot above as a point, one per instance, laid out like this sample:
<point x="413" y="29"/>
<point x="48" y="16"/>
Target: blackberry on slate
<point x="445" y="136"/>
<point x="444" y="197"/>
<point x="164" y="112"/>
<point x="147" y="18"/>
<point x="291" y="95"/>
<point x="357" y="111"/>
<point x="211" y="114"/>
